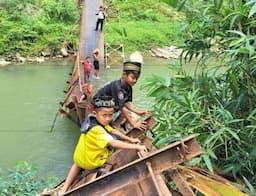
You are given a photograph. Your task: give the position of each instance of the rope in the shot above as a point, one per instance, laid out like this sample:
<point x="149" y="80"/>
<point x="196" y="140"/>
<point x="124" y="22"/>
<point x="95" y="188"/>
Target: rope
<point x="54" y="121"/>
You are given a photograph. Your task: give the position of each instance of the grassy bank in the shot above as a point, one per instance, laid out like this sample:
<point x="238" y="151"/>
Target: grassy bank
<point x="142" y="24"/>
<point x="32" y="27"/>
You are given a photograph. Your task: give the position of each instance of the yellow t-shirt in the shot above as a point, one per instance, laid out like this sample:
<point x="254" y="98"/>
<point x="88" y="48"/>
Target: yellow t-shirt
<point x="91" y="151"/>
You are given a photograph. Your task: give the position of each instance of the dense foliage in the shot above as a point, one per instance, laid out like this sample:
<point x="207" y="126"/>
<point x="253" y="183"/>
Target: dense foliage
<point x="142" y="25"/>
<point x="23" y="180"/>
<point x="218" y="101"/>
<point x="32" y="26"/>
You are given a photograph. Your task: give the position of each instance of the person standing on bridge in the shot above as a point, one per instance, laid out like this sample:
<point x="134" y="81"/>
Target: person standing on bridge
<point x="96" y="63"/>
<point x="92" y="150"/>
<point x="100" y="19"/>
<point x="121" y="91"/>
<point x="87" y="68"/>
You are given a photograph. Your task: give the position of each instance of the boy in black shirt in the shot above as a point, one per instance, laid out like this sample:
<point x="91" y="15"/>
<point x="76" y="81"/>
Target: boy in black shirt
<point x="121" y="90"/>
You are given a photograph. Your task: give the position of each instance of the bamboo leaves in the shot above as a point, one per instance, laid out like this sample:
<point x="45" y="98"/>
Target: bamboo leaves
<point x="238" y="41"/>
<point x="207" y="162"/>
<point x="219" y="106"/>
<point x="252" y="3"/>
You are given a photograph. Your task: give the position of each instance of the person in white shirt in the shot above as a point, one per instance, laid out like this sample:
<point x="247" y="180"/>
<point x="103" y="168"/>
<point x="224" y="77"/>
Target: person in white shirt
<point x="100" y="19"/>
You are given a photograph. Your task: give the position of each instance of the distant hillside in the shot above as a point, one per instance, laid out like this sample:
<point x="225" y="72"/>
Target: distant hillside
<point x="143" y="24"/>
<point x="33" y="27"/>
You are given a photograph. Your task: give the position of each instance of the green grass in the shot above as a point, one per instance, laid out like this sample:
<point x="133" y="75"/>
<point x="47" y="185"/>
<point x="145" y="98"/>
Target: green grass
<point x="144" y="25"/>
<point x="35" y="26"/>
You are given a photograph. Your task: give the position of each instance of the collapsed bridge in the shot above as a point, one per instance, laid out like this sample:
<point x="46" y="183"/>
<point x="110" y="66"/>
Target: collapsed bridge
<point x="128" y="172"/>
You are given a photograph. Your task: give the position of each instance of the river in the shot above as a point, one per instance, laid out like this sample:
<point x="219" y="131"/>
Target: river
<point x="30" y="96"/>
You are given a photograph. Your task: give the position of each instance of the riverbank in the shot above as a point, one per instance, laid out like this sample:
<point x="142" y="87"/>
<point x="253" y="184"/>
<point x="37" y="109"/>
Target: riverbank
<point x="167" y="52"/>
<point x="22" y="60"/>
<point x="157" y="26"/>
<point x="55" y="29"/>
<point x="45" y="57"/>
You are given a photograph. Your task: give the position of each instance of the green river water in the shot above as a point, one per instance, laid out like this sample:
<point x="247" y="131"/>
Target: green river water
<point x="30" y="96"/>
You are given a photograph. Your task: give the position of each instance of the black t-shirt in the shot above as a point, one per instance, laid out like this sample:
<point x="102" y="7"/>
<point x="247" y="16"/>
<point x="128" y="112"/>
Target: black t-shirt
<point x="120" y="92"/>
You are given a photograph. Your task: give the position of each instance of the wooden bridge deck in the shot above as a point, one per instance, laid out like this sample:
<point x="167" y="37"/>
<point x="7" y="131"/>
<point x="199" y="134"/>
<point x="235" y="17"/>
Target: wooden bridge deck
<point x="89" y="40"/>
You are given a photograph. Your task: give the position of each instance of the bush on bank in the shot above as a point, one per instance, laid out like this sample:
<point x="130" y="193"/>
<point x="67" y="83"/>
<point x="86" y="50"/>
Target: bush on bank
<point x="33" y="26"/>
<point x="23" y="180"/>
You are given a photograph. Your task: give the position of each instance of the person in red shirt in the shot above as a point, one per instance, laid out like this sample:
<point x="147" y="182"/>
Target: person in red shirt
<point x="87" y="68"/>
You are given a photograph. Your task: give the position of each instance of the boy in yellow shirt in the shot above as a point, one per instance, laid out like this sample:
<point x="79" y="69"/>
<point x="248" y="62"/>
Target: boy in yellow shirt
<point x="97" y="135"/>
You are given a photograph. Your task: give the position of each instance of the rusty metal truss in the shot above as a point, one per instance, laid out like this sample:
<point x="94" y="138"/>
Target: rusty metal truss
<point x="143" y="176"/>
<point x="129" y="172"/>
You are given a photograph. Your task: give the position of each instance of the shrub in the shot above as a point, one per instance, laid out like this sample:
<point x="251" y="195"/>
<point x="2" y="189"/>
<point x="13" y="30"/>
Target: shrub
<point x="23" y="180"/>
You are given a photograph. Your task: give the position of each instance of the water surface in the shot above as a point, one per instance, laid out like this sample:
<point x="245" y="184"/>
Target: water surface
<point x="30" y="96"/>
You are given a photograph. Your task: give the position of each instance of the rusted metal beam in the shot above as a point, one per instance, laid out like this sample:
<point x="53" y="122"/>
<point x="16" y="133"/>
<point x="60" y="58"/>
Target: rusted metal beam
<point x="180" y="183"/>
<point x="161" y="187"/>
<point x="158" y="189"/>
<point x="147" y="141"/>
<point x="122" y="157"/>
<point x="208" y="183"/>
<point x="150" y="123"/>
<point x="136" y="173"/>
